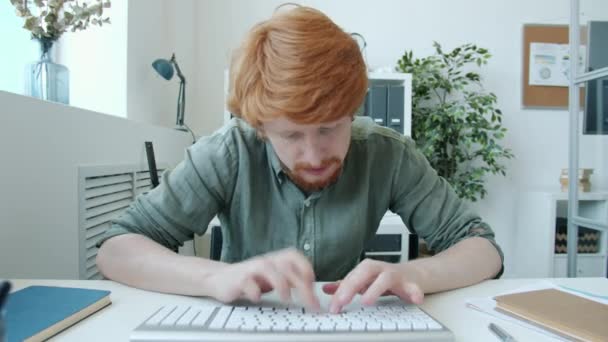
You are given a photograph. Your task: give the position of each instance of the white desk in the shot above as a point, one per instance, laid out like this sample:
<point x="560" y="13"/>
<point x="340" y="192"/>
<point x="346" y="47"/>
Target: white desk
<point x="131" y="306"/>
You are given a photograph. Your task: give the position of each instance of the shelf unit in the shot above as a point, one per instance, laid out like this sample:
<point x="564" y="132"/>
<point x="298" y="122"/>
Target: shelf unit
<point x="578" y="215"/>
<point x="393" y="80"/>
<point x="535" y="238"/>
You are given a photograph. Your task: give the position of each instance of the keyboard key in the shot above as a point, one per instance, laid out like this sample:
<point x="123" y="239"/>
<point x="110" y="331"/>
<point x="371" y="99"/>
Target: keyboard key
<point x="326" y="326"/>
<point x="389" y="326"/>
<point x="404" y="325"/>
<point x="174" y="316"/>
<point x="185" y="320"/>
<point x="358" y="326"/>
<point x="160" y="315"/>
<point x="295" y="326"/>
<point x="418" y="325"/>
<point x="233" y="324"/>
<point x="221" y="317"/>
<point x="280" y="326"/>
<point x="264" y="327"/>
<point x="202" y="317"/>
<point x="247" y="327"/>
<point x="432" y="325"/>
<point x="343" y="326"/>
<point x="373" y="326"/>
<point x="310" y="327"/>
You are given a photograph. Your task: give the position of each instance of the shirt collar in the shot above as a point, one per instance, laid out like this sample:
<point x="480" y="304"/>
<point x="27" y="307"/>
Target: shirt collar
<point x="275" y="163"/>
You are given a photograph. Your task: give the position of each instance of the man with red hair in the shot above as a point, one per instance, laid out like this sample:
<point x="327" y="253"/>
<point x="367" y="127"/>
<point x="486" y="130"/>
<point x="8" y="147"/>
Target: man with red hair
<point x="299" y="183"/>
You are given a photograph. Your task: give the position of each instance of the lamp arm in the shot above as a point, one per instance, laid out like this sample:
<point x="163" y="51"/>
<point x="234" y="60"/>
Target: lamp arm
<point x="181" y="104"/>
<point x="179" y="71"/>
<point x="181" y="98"/>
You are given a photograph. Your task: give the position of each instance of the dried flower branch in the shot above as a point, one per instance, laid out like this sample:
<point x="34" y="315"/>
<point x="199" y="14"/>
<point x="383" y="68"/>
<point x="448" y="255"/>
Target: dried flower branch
<point x="49" y="19"/>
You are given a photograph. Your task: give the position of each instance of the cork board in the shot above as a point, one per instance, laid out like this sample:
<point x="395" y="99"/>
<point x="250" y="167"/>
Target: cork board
<point x="544" y="96"/>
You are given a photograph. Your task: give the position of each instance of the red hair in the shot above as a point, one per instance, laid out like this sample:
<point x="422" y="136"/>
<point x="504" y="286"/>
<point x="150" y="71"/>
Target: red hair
<point x="298" y="64"/>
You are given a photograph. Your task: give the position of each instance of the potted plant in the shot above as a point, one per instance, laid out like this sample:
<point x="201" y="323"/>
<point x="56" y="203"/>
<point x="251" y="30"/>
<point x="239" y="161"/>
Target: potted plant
<point x="455" y="123"/>
<point x="48" y="20"/>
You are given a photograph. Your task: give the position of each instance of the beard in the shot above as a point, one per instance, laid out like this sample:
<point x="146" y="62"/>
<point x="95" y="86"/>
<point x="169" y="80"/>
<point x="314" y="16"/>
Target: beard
<point x="308" y="186"/>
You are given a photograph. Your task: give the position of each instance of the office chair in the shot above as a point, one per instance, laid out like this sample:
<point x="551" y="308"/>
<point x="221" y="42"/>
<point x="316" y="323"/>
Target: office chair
<point x="215" y="250"/>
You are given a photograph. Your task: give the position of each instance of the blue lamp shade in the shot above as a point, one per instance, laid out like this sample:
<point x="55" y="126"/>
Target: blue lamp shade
<point x="164" y="68"/>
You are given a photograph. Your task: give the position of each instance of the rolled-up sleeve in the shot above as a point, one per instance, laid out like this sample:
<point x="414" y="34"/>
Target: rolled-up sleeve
<point x="429" y="206"/>
<point x="187" y="198"/>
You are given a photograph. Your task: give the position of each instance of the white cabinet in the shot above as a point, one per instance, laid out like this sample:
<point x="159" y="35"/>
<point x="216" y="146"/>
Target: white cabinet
<point x="587" y="266"/>
<point x="534" y="244"/>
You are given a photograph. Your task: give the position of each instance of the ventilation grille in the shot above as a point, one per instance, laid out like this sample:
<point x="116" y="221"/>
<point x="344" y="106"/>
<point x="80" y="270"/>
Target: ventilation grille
<point x="105" y="193"/>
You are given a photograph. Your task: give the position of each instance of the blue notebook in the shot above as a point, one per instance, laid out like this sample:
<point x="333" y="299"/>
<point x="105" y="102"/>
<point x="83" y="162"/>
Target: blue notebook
<point x="36" y="313"/>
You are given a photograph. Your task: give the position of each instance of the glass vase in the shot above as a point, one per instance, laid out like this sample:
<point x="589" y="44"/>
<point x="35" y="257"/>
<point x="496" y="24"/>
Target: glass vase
<point x="45" y="79"/>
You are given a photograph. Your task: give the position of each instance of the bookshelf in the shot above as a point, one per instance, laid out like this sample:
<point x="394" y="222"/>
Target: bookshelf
<point x="535" y="238"/>
<point x="398" y="117"/>
<point x="596" y="70"/>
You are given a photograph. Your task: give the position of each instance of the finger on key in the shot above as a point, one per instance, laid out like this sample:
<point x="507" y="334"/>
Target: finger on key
<point x="251" y="290"/>
<point x="301" y="265"/>
<point x="410" y="292"/>
<point x="330" y="288"/>
<point x="304" y="287"/>
<point x="302" y="277"/>
<point x="348" y="288"/>
<point x="277" y="280"/>
<point x="378" y="287"/>
<point x="264" y="285"/>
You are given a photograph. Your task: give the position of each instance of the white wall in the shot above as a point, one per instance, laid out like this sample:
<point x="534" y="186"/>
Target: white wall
<point x="539" y="138"/>
<point x="158" y="28"/>
<point x="148" y="94"/>
<point x="41" y="146"/>
<point x="97" y="59"/>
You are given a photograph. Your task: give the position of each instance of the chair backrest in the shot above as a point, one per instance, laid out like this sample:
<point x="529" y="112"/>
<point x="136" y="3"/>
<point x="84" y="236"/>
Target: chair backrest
<point x="215" y="250"/>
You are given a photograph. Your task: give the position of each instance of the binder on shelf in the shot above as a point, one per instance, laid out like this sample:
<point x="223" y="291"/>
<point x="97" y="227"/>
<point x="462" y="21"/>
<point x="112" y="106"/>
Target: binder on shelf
<point x="396" y="102"/>
<point x="367" y="110"/>
<point x="378" y="104"/>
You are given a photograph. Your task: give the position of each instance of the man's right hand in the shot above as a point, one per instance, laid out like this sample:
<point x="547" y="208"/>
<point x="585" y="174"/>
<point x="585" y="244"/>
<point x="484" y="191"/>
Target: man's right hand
<point x="280" y="271"/>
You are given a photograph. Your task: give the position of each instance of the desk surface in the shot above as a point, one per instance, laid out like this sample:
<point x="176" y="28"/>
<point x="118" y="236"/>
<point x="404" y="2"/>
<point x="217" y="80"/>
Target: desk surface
<point x="131" y="306"/>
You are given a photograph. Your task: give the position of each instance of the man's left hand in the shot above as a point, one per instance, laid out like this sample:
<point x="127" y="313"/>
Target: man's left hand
<point x="372" y="279"/>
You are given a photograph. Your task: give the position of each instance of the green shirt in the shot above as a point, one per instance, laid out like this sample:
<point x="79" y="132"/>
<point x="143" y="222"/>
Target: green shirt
<point x="235" y="175"/>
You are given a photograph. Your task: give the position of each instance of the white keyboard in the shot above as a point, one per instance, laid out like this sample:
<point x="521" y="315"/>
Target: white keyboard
<point x="255" y="323"/>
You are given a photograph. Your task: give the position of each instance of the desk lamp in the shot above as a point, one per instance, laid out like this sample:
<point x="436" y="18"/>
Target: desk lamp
<point x="165" y="68"/>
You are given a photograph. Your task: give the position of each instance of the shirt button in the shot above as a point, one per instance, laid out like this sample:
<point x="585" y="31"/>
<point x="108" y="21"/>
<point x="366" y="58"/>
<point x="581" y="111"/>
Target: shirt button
<point x="307" y="203"/>
<point x="307" y="246"/>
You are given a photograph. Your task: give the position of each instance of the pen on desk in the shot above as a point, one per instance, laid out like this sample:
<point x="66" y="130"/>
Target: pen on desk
<point x="5" y="287"/>
<point x="501" y="333"/>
